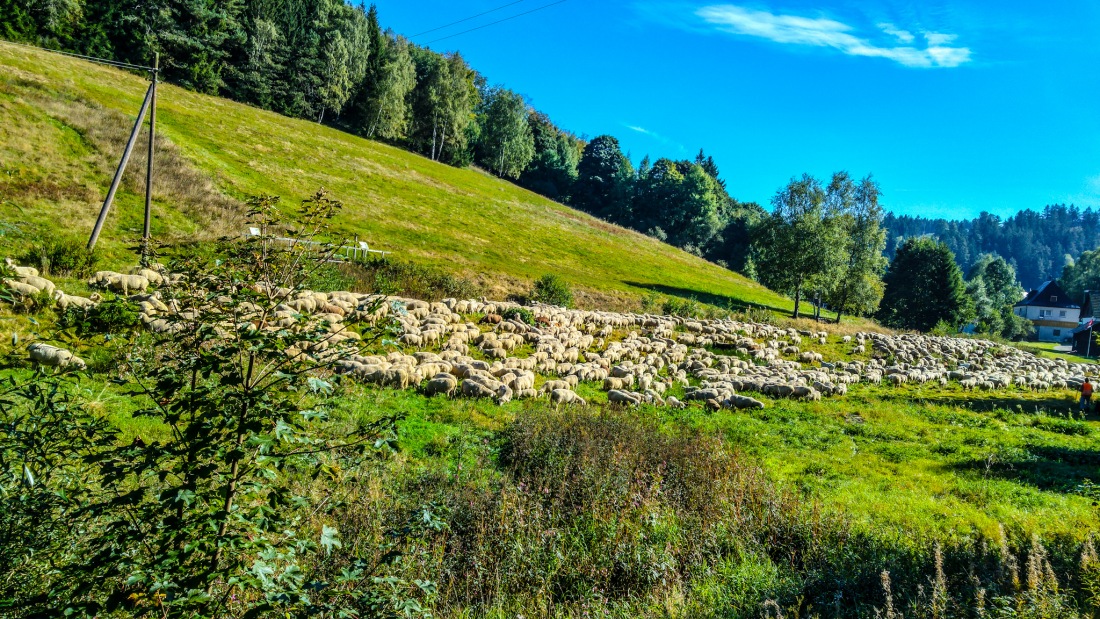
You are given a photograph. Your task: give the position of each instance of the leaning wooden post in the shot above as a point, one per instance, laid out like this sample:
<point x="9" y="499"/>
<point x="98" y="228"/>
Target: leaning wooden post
<point x="118" y="173"/>
<point x="149" y="162"/>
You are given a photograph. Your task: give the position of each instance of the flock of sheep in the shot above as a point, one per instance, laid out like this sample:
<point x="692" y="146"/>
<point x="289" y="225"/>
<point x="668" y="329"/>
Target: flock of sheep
<point x="468" y="348"/>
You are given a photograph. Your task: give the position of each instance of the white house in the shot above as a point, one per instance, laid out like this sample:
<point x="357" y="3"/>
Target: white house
<point x="1051" y="311"/>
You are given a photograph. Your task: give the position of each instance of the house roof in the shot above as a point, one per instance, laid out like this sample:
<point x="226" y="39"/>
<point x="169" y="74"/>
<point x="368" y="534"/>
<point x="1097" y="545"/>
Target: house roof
<point x="1049" y="294"/>
<point x="1091" y="305"/>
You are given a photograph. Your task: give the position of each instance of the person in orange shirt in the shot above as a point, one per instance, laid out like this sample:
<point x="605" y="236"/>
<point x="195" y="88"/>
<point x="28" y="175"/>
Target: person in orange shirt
<point x="1086" y="394"/>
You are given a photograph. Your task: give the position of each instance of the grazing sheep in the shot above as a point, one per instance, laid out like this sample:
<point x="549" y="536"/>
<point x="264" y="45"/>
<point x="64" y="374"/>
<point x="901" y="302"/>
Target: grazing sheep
<point x="154" y="277"/>
<point x="44" y="354"/>
<point x="550" y="385"/>
<point x="616" y="396"/>
<point x="442" y="383"/>
<point x="565" y="396"/>
<point x="119" y="282"/>
<point x="21" y="289"/>
<point x="65" y="301"/>
<point x="473" y="389"/>
<point x="742" y="401"/>
<point x="40" y="283"/>
<point x="21" y="271"/>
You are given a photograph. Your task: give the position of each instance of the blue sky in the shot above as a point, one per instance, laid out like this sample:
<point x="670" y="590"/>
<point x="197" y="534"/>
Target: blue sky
<point x="955" y="107"/>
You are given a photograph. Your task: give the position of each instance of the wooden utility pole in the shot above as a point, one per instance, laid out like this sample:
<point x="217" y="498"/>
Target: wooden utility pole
<point x="150" y="101"/>
<point x="149" y="160"/>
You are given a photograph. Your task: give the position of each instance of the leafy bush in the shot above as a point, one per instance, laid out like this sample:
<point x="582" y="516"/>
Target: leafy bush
<point x="62" y="256"/>
<point x="552" y="290"/>
<point x="651" y="302"/>
<point x="521" y="314"/>
<point x="756" y="315"/>
<point x="685" y="308"/>
<point x="944" y="329"/>
<point x="115" y="316"/>
<point x="389" y="276"/>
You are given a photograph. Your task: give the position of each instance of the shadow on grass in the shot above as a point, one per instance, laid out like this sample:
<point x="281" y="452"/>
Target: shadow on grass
<point x="1051" y="468"/>
<point x="983" y="403"/>
<point x="716" y="300"/>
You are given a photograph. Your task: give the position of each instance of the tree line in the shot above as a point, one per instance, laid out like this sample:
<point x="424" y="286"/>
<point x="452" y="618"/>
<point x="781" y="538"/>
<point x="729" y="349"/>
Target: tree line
<point x="1037" y="244"/>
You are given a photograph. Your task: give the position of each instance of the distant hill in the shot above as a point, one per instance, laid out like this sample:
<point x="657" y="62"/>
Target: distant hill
<point x="1035" y="242"/>
<point x="63" y="122"/>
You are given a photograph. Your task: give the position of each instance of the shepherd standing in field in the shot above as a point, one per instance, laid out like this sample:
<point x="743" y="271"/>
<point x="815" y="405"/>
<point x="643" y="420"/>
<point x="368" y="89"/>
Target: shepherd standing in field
<point x="1086" y="394"/>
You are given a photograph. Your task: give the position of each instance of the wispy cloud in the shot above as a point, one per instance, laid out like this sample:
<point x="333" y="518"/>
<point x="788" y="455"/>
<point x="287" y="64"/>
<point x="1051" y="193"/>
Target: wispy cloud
<point x="938" y="50"/>
<point x="656" y="136"/>
<point x="901" y="35"/>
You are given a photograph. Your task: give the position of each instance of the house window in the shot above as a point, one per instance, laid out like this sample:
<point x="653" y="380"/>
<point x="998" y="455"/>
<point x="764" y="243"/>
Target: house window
<point x="1054" y="299"/>
<point x="1062" y="313"/>
<point x="1057" y="332"/>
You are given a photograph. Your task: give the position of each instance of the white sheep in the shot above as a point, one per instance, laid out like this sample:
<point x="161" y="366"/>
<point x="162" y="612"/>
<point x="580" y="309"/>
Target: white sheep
<point x="21" y="289"/>
<point x="40" y="283"/>
<point x="21" y="271"/>
<point x="565" y="396"/>
<point x="65" y="301"/>
<point x="45" y="354"/>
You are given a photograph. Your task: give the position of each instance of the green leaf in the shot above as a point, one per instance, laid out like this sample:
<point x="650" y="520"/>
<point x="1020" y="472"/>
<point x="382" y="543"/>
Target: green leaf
<point x="330" y="538"/>
<point x="316" y="385"/>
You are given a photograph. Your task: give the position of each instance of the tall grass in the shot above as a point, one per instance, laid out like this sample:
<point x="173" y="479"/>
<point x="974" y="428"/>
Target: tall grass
<point x="609" y="515"/>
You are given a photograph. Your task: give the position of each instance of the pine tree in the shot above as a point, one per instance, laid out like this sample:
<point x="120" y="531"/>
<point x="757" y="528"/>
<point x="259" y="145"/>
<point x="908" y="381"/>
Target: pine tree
<point x="924" y="287"/>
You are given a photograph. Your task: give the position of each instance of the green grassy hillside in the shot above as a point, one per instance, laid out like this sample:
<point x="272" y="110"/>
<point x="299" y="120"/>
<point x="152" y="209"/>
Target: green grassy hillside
<point x="63" y="123"/>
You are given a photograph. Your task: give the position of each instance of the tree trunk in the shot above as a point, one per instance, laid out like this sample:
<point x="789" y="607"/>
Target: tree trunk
<point x="797" y="299"/>
<point x="838" y="316"/>
<point x="434" y="125"/>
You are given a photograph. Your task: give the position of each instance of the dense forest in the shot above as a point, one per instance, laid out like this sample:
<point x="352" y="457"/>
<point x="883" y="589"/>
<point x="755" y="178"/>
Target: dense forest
<point x="1038" y="244"/>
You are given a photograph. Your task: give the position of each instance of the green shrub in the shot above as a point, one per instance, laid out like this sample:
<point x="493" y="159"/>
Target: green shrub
<point x="685" y="308"/>
<point x="521" y="314"/>
<point x="756" y="315"/>
<point x="62" y="256"/>
<point x="390" y="276"/>
<point x="114" y="316"/>
<point x="552" y="290"/>
<point x="944" y="329"/>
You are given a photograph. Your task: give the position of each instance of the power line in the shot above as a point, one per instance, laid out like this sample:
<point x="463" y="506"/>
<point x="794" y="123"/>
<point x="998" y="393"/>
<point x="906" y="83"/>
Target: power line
<point x="112" y="63"/>
<point x="545" y="6"/>
<point x="467" y="19"/>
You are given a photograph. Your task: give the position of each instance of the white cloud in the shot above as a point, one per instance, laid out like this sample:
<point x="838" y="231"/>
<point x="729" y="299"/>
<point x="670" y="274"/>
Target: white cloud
<point x="901" y="35"/>
<point x="825" y="32"/>
<point x="936" y="39"/>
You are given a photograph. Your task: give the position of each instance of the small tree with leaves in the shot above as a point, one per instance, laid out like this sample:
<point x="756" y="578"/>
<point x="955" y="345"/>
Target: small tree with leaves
<point x="218" y="518"/>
